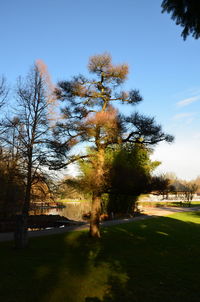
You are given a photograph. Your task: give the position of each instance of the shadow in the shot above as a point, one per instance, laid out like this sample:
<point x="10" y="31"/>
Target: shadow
<point x="148" y="260"/>
<point x="195" y="213"/>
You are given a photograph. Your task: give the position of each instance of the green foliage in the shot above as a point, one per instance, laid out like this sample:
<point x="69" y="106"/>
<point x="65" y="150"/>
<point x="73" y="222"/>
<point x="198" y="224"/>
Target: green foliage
<point x="72" y="189"/>
<point x="126" y="174"/>
<point x="129" y="176"/>
<point x="131" y="169"/>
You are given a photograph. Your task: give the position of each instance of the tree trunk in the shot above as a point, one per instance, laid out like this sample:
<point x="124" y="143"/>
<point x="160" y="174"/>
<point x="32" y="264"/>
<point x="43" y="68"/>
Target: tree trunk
<point x="20" y="234"/>
<point x="27" y="198"/>
<point x="95" y="215"/>
<point x="21" y="228"/>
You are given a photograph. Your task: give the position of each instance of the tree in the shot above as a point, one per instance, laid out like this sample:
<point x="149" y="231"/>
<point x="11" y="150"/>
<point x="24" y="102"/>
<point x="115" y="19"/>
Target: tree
<point x="71" y="188"/>
<point x="129" y="175"/>
<point x="170" y="184"/>
<point x="12" y="176"/>
<point x="185" y="13"/>
<point x="126" y="171"/>
<point x="11" y="185"/>
<point x="30" y="129"/>
<point x="89" y="116"/>
<point x="189" y="189"/>
<point x="3" y="91"/>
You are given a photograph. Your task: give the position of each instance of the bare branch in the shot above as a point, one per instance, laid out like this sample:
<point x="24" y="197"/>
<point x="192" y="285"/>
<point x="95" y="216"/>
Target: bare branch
<point x="3" y="91"/>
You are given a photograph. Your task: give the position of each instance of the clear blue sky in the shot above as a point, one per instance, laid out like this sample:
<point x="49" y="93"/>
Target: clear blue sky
<point x="64" y="33"/>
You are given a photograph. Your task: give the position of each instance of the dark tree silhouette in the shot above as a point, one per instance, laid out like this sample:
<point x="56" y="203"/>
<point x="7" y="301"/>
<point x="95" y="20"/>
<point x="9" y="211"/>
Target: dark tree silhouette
<point x="89" y="116"/>
<point x="11" y="184"/>
<point x="29" y="128"/>
<point x="129" y="176"/>
<point x="185" y="13"/>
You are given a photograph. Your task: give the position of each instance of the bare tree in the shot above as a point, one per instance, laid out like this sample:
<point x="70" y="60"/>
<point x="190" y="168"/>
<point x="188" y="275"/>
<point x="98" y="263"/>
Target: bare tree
<point x="190" y="189"/>
<point x="30" y="129"/>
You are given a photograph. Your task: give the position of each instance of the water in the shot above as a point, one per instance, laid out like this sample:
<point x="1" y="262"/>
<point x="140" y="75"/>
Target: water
<point x="71" y="210"/>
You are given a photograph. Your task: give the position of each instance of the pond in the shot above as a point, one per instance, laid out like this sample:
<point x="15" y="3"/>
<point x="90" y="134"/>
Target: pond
<point x="70" y="210"/>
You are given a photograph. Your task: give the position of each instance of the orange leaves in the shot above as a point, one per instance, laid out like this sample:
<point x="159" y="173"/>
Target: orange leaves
<point x="79" y="90"/>
<point x="119" y="71"/>
<point x="99" y="62"/>
<point x="102" y="64"/>
<point x="43" y="70"/>
<point x="106" y="122"/>
<point x="72" y="142"/>
<point x="53" y="115"/>
<point x="104" y="118"/>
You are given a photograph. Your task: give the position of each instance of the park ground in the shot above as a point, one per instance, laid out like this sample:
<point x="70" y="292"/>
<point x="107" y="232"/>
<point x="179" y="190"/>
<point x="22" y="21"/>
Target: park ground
<point x="156" y="259"/>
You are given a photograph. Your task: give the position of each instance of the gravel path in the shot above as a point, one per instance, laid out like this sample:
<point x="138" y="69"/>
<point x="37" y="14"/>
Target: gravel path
<point x="148" y="213"/>
<point x="164" y="211"/>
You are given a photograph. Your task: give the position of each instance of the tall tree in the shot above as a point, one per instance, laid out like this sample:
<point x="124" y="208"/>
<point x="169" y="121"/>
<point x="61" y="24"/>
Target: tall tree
<point x="30" y="129"/>
<point x="185" y="13"/>
<point x="89" y="116"/>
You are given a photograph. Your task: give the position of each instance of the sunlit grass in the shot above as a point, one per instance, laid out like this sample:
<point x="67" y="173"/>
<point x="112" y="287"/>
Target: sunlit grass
<point x="187" y="217"/>
<point x="169" y="204"/>
<point x="72" y="200"/>
<point x="149" y="260"/>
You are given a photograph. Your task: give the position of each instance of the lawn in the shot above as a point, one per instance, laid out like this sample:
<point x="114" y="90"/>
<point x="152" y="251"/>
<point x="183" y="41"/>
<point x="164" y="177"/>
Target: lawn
<point x="149" y="260"/>
<point x="169" y="204"/>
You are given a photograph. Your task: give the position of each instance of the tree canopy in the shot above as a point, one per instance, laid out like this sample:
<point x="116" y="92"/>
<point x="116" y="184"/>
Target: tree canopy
<point x="185" y="13"/>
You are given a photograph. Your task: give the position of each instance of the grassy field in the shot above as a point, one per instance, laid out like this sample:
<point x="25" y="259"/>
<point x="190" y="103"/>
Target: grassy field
<point x="72" y="200"/>
<point x="150" y="260"/>
<point x="169" y="204"/>
<point x="146" y="203"/>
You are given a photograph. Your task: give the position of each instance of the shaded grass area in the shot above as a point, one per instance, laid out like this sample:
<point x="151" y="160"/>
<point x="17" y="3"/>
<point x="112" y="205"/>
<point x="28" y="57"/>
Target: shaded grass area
<point x="150" y="260"/>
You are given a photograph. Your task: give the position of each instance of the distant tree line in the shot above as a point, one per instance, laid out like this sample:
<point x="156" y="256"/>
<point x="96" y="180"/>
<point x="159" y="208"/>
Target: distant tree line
<point x="170" y="187"/>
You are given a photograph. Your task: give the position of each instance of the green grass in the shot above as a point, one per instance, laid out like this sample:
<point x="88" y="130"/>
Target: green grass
<point x="169" y="204"/>
<point x="148" y="260"/>
<point x="71" y="200"/>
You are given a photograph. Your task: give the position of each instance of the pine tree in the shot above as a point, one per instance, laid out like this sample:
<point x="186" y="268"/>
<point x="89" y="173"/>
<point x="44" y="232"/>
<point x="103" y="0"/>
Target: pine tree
<point x="89" y="116"/>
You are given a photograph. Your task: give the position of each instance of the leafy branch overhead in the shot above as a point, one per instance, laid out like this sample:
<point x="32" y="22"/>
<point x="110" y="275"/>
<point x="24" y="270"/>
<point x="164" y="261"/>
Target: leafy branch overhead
<point x="185" y="13"/>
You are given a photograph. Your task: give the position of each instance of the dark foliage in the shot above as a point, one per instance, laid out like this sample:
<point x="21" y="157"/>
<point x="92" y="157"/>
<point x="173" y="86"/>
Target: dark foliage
<point x="185" y="13"/>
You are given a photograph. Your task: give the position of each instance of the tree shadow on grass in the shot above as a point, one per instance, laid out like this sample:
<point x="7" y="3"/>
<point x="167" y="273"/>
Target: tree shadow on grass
<point x="195" y="213"/>
<point x="160" y="258"/>
<point x="149" y="260"/>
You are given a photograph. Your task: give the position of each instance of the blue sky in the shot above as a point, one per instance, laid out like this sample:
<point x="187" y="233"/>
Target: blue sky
<point x="64" y="33"/>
